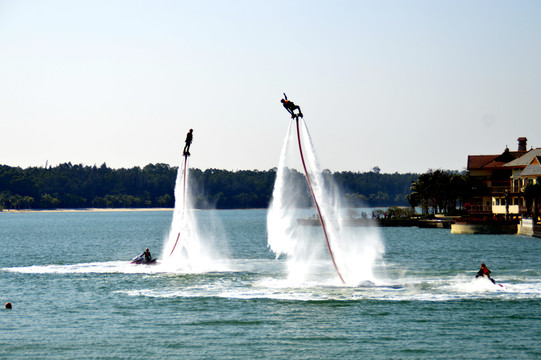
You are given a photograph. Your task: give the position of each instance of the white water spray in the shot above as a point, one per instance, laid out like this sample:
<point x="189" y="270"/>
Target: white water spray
<point x="188" y="249"/>
<point x="355" y="249"/>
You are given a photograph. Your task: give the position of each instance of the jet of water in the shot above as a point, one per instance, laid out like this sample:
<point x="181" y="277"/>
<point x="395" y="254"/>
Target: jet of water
<point x="188" y="248"/>
<point x="355" y="250"/>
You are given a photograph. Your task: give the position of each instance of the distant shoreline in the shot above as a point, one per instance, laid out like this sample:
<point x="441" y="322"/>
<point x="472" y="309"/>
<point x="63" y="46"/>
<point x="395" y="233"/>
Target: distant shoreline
<point x="84" y="210"/>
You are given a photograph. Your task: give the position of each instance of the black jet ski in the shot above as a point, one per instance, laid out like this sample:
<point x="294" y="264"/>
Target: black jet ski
<point x="142" y="260"/>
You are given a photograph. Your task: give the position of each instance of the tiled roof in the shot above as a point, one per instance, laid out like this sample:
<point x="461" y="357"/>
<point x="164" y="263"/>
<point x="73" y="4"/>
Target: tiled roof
<point x="525" y="159"/>
<point x="533" y="168"/>
<point x="476" y="162"/>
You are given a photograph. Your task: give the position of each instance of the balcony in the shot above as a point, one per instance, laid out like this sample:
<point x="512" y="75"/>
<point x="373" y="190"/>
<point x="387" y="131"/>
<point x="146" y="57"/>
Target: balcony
<point x="502" y="209"/>
<point x="480" y="209"/>
<point x="517" y="189"/>
<point x="500" y="190"/>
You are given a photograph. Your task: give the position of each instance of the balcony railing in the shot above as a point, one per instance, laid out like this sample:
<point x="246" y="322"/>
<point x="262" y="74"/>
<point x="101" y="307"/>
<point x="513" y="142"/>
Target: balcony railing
<point x="503" y="209"/>
<point x="500" y="190"/>
<point x="477" y="209"/>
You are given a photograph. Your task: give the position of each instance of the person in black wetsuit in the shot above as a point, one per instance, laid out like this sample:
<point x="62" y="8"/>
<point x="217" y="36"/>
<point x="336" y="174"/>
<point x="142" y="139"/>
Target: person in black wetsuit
<point x="291" y="107"/>
<point x="484" y="271"/>
<point x="189" y="138"/>
<point x="144" y="258"/>
<point x="148" y="257"/>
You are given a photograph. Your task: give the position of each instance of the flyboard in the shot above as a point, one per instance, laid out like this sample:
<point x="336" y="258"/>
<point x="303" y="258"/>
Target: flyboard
<point x="321" y="220"/>
<point x="185" y="154"/>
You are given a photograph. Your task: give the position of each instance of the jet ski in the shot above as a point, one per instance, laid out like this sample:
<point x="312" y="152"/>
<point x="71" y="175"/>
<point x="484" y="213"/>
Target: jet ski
<point x="142" y="260"/>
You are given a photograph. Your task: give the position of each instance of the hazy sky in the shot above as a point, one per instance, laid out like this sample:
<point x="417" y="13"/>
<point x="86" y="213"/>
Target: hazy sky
<point x="402" y="85"/>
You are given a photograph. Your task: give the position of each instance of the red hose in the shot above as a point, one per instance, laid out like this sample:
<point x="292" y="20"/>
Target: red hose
<point x="317" y="205"/>
<point x="175" y="245"/>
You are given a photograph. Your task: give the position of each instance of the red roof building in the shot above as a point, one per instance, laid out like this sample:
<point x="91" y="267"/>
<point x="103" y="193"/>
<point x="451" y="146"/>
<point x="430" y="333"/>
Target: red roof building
<point x="503" y="178"/>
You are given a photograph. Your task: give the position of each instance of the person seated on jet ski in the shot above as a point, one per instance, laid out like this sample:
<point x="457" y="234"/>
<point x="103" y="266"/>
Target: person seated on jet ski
<point x="147" y="255"/>
<point x="291" y="107"/>
<point x="484" y="271"/>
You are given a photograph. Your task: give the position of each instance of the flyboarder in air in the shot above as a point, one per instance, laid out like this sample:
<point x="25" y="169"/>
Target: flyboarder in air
<point x="189" y="138"/>
<point x="291" y="107"/>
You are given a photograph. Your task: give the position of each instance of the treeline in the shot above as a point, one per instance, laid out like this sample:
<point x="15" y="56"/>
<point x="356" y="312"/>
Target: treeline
<point x="78" y="186"/>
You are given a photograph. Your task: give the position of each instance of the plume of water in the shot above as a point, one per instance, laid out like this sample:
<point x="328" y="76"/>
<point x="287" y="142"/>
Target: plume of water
<point x="188" y="248"/>
<point x="356" y="249"/>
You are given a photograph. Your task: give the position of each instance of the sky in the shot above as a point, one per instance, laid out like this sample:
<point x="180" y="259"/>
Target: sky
<point x="405" y="86"/>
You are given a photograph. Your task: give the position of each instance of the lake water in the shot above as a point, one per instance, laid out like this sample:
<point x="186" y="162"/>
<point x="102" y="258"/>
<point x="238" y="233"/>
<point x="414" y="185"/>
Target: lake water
<point x="76" y="296"/>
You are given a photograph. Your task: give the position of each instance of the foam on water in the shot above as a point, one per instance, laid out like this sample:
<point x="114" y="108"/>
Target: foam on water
<point x="275" y="290"/>
<point x="266" y="279"/>
<point x="124" y="267"/>
<point x="112" y="267"/>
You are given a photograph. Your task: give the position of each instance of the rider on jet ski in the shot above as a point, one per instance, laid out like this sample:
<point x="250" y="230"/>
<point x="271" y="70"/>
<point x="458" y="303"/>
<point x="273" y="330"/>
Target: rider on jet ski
<point x="144" y="258"/>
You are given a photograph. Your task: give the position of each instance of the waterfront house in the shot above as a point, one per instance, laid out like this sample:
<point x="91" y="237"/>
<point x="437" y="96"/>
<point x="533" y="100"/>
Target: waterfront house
<point x="501" y="180"/>
<point x="496" y="193"/>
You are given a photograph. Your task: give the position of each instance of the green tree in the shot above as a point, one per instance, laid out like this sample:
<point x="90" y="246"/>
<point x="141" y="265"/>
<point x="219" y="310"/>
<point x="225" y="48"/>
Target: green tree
<point x="532" y="194"/>
<point x="47" y="201"/>
<point x="438" y="190"/>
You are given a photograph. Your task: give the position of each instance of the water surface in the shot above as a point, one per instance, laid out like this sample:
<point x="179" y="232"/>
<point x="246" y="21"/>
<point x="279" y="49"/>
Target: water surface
<point x="75" y="295"/>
